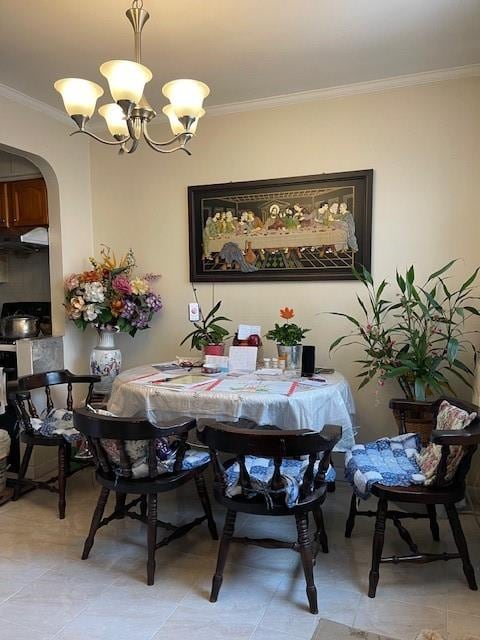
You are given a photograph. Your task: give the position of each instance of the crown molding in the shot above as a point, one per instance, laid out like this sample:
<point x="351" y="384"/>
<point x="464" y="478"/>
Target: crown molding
<point x="37" y="105"/>
<point x="358" y="88"/>
<point x="328" y="93"/>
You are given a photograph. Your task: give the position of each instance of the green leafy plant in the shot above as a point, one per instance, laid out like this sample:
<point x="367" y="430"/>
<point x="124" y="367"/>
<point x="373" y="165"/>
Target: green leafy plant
<point x="419" y="337"/>
<point x="208" y="331"/>
<point x="287" y="334"/>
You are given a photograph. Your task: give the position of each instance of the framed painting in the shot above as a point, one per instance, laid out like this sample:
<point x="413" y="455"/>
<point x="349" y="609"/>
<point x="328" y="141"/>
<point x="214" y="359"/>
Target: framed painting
<point x="303" y="228"/>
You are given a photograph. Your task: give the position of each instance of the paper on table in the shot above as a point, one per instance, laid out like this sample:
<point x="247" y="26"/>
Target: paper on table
<point x="185" y="382"/>
<point x="269" y="372"/>
<point x="247" y="330"/>
<point x="242" y="358"/>
<point x="242" y="385"/>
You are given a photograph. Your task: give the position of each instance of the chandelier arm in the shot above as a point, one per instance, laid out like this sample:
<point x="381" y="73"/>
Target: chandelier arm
<point x="160" y="149"/>
<point x="184" y="135"/>
<point x="98" y="139"/>
<point x="133" y="146"/>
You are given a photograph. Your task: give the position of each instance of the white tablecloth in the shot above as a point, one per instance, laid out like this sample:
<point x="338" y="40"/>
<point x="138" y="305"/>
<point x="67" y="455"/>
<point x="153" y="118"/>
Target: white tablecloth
<point x="327" y="404"/>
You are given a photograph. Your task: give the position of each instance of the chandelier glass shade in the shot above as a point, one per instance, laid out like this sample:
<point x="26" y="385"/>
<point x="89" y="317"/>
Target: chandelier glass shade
<point x="128" y="116"/>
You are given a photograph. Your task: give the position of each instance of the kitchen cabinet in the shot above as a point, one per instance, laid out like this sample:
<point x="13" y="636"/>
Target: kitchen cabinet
<point x="3" y="204"/>
<point x="28" y="203"/>
<point x="23" y="203"/>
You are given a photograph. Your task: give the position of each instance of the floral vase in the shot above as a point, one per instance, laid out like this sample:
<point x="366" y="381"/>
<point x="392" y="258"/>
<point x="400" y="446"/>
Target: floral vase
<point x="291" y="354"/>
<point x="106" y="359"/>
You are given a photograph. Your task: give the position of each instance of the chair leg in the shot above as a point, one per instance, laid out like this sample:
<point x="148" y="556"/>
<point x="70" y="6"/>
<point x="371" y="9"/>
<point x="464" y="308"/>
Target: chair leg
<point x="143" y="506"/>
<point x="62" y="481"/>
<point x="120" y="499"/>
<point x="321" y="534"/>
<point x="461" y="543"/>
<point x="205" y="500"/>
<point x="23" y="470"/>
<point x="151" y="536"/>
<point x="351" y="517"/>
<point x="227" y="534"/>
<point x="377" y="546"/>
<point x="97" y="516"/>
<point x="305" y="548"/>
<point x="68" y="458"/>
<point x="432" y="515"/>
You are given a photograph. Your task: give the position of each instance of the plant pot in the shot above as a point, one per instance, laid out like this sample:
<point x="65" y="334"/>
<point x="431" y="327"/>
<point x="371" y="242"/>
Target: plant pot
<point x="291" y="354"/>
<point x="416" y="420"/>
<point x="214" y="349"/>
<point x="105" y="359"/>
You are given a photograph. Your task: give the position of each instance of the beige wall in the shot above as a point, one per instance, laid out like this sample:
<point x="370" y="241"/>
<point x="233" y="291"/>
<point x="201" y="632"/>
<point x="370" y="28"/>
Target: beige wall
<point x="422" y="143"/>
<point x="65" y="164"/>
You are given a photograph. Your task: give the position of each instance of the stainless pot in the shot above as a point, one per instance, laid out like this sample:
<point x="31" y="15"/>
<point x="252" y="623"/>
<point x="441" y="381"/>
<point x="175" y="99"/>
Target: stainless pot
<point x="16" y="327"/>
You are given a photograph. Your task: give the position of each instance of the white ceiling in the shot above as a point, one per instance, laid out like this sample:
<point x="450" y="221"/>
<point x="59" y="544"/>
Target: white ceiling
<point x="244" y="49"/>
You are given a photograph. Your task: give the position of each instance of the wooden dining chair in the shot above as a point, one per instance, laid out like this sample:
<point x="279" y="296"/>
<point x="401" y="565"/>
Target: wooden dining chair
<point x="441" y="492"/>
<point x="304" y="454"/>
<point x="126" y="453"/>
<point x="26" y="410"/>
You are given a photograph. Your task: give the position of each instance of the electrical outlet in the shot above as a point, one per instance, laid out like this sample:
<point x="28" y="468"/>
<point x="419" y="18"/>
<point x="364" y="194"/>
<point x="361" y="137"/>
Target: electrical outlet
<point x="193" y="312"/>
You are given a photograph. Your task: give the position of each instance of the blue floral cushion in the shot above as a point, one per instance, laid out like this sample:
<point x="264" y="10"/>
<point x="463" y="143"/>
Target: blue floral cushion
<point x="137" y="452"/>
<point x="56" y="422"/>
<point x="261" y="470"/>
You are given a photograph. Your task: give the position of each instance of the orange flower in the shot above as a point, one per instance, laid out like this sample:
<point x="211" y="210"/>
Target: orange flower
<point x="90" y="276"/>
<point x="116" y="307"/>
<point x="287" y="314"/>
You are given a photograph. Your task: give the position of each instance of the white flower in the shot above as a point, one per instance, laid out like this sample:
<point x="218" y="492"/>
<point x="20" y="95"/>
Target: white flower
<point x="90" y="312"/>
<point x="94" y="292"/>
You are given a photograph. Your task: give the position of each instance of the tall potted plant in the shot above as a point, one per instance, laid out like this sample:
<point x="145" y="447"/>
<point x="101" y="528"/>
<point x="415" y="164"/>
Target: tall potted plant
<point x="419" y="337"/>
<point x="208" y="335"/>
<point x="288" y="337"/>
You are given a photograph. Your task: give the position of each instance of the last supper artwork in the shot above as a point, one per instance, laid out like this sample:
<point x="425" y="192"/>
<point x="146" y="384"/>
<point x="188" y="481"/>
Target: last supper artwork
<point x="303" y="228"/>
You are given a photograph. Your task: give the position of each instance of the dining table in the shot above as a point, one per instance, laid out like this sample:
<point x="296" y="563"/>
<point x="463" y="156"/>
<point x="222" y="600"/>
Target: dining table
<point x="308" y="404"/>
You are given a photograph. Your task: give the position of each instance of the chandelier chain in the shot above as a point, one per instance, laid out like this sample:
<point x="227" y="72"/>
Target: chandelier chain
<point x="137" y="4"/>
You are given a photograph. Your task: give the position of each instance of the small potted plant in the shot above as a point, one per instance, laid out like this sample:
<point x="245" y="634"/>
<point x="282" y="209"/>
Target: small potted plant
<point x="288" y="337"/>
<point x="208" y="335"/>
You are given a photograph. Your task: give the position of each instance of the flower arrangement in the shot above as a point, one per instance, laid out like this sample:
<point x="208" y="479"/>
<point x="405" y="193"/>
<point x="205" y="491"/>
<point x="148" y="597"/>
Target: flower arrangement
<point x="110" y="296"/>
<point x="418" y="337"/>
<point x="287" y="334"/>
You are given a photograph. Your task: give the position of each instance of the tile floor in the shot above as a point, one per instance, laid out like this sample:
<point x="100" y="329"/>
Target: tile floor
<point x="47" y="592"/>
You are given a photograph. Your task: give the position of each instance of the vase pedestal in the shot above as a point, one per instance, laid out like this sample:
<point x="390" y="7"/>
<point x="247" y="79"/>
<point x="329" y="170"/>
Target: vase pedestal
<point x="105" y="360"/>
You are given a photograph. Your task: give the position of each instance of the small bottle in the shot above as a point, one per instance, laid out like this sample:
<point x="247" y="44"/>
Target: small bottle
<point x="267" y="362"/>
<point x="274" y="363"/>
<point x="282" y="363"/>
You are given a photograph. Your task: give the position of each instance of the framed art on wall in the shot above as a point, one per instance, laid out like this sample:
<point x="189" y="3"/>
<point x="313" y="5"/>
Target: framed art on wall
<point x="302" y="228"/>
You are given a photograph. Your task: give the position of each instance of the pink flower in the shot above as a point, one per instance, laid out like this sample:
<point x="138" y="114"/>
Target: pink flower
<point x="72" y="281"/>
<point x="368" y="328"/>
<point x="122" y="284"/>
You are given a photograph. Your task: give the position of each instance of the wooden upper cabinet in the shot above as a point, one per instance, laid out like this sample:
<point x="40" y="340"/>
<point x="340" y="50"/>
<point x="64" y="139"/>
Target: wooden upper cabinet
<point x="28" y="205"/>
<point x="3" y="204"/>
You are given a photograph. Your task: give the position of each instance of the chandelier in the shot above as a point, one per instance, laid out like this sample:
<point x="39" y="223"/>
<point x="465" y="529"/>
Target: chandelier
<point x="127" y="118"/>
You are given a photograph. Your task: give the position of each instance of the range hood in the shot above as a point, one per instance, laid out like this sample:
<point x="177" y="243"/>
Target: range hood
<point x="36" y="237"/>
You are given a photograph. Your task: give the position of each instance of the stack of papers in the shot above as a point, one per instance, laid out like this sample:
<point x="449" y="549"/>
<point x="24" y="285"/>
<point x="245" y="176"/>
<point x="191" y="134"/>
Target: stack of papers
<point x="185" y="382"/>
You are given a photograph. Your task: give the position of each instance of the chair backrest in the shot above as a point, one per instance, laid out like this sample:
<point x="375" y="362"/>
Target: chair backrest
<point x="408" y="411"/>
<point x="129" y="447"/>
<point x="468" y="439"/>
<point x="24" y="404"/>
<point x="277" y="445"/>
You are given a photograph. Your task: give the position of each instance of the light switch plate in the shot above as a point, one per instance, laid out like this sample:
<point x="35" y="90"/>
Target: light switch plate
<point x="193" y="312"/>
